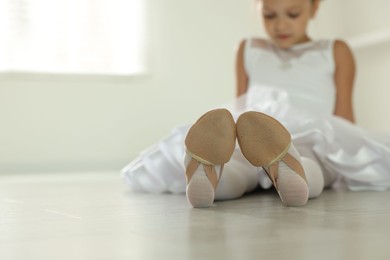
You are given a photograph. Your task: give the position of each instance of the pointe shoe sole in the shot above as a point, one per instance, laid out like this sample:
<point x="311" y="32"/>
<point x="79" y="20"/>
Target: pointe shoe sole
<point x="264" y="141"/>
<point x="212" y="138"/>
<point x="210" y="141"/>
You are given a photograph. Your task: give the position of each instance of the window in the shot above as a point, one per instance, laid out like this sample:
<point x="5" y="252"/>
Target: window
<point x="72" y="36"/>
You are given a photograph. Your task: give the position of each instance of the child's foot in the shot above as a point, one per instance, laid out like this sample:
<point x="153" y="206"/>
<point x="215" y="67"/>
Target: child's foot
<point x="266" y="143"/>
<point x="210" y="143"/>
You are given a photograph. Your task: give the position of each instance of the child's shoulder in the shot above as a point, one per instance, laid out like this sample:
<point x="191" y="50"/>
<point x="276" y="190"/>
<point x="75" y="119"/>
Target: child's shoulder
<point x="336" y="44"/>
<point x="253" y="43"/>
<point x="340" y="46"/>
<point x="342" y="53"/>
<point x="254" y="40"/>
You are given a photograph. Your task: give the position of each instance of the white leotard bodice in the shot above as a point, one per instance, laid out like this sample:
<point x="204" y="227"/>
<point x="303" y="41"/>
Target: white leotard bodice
<point x="305" y="71"/>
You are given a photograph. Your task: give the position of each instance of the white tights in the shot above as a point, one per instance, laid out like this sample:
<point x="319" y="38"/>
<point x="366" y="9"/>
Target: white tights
<point x="240" y="177"/>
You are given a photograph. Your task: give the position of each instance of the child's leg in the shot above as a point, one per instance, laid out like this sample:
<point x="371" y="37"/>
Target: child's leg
<point x="329" y="177"/>
<point x="238" y="177"/>
<point x="314" y="177"/>
<point x="313" y="172"/>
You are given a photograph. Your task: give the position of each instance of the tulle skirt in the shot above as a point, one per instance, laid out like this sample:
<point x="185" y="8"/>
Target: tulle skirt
<point x="343" y="150"/>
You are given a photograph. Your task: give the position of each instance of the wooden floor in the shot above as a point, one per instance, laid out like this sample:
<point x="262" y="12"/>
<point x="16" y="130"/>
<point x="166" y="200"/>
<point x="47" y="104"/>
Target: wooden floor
<point x="94" y="216"/>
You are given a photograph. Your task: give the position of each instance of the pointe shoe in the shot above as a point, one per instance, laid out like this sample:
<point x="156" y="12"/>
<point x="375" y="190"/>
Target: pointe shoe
<point x="266" y="143"/>
<point x="210" y="143"/>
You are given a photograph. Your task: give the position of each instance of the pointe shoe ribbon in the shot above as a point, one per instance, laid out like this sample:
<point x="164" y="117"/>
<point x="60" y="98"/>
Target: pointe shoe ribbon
<point x="273" y="169"/>
<point x="212" y="175"/>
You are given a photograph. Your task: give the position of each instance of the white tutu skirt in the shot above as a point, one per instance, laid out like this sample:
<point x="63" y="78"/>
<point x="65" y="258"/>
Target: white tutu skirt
<point x="343" y="150"/>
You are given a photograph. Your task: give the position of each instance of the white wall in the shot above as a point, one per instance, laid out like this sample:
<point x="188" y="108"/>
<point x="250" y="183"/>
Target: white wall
<point x="373" y="87"/>
<point x="349" y="18"/>
<point x="98" y="123"/>
<point x="62" y="123"/>
<point x="365" y="25"/>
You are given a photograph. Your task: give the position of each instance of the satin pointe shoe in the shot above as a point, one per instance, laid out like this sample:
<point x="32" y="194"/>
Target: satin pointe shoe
<point x="210" y="143"/>
<point x="266" y="143"/>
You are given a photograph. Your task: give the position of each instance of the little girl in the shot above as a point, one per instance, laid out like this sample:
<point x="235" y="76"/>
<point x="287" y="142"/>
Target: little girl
<point x="293" y="120"/>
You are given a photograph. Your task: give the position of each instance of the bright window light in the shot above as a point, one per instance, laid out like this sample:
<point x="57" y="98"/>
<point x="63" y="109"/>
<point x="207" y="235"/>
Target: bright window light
<point x="72" y="36"/>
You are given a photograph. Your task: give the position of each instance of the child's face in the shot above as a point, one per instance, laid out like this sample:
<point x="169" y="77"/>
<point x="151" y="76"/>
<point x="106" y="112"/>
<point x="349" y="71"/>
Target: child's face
<point x="286" y="20"/>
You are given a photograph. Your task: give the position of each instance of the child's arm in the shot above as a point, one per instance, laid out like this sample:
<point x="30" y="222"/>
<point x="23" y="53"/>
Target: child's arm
<point x="344" y="78"/>
<point x="241" y="77"/>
